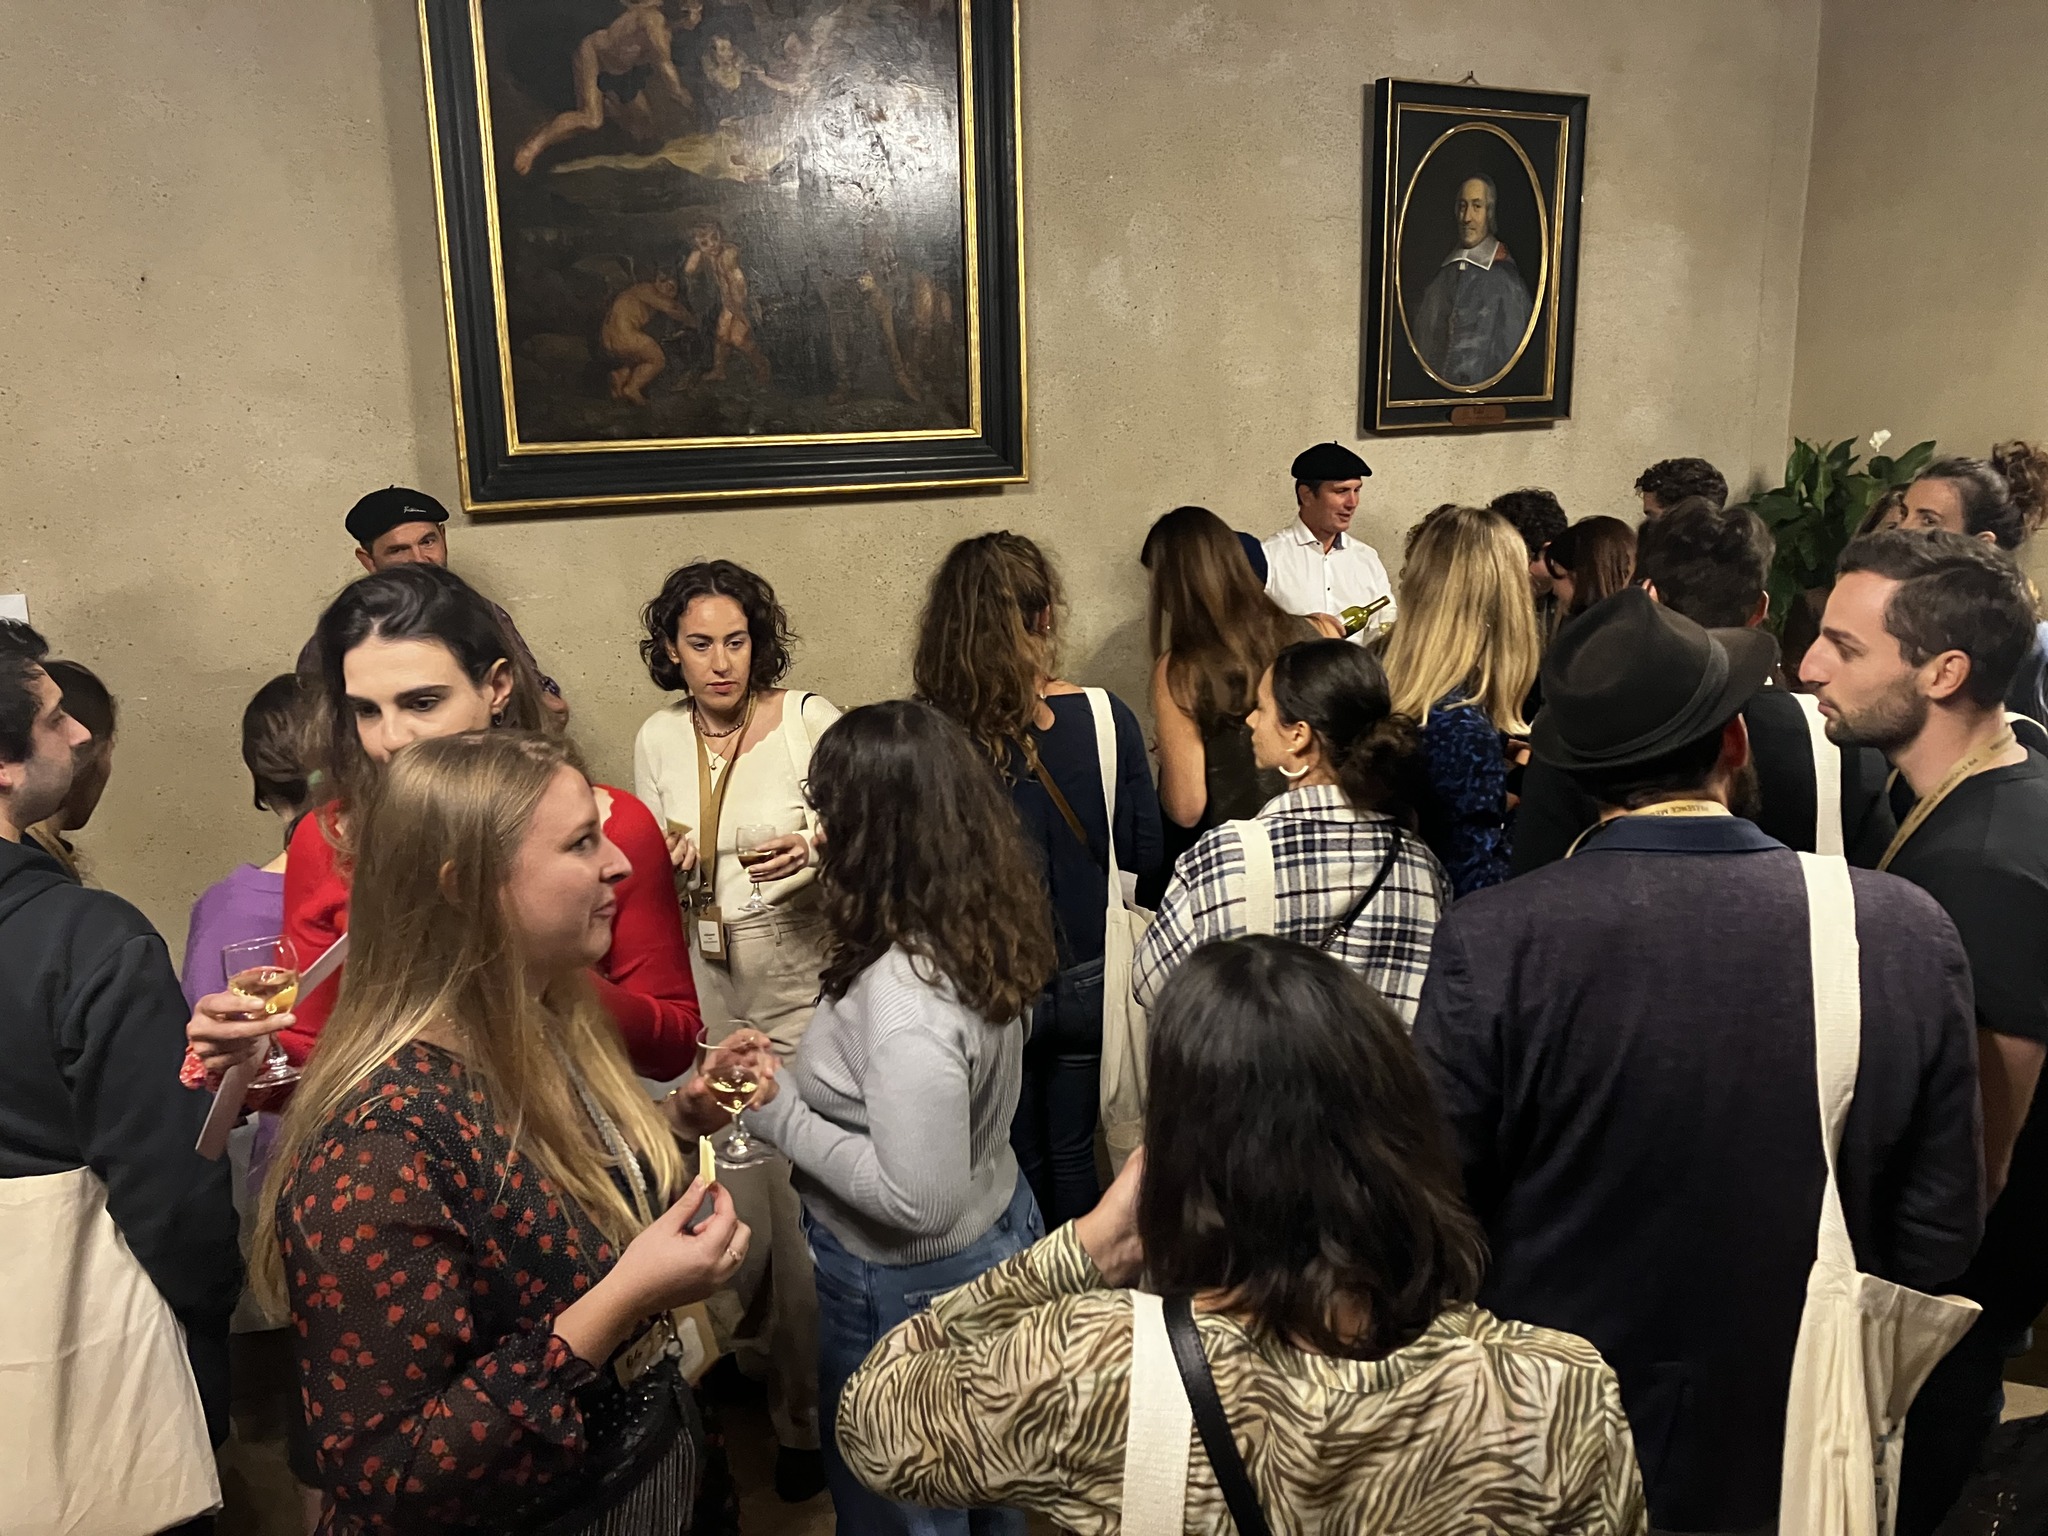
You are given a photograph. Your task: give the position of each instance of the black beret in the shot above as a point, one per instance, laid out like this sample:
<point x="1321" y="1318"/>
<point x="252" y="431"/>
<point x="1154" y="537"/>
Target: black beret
<point x="1329" y="461"/>
<point x="393" y="507"/>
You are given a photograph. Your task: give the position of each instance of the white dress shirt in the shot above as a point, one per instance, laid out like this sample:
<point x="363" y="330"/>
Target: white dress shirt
<point x="1301" y="578"/>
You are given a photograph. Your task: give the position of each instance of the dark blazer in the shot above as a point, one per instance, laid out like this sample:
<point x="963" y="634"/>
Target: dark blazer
<point x="92" y="1029"/>
<point x="1623" y="1044"/>
<point x="1554" y="810"/>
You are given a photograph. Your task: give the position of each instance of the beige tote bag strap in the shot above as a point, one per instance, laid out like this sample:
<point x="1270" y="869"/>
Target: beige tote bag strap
<point x="1837" y="1027"/>
<point x="1261" y="902"/>
<point x="1160" y="1430"/>
<point x="1827" y="779"/>
<point x="1105" y="762"/>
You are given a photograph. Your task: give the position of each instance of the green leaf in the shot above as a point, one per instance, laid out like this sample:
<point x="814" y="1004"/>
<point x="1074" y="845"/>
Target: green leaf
<point x="1842" y="454"/>
<point x="1881" y="469"/>
<point x="1913" y="460"/>
<point x="1784" y="590"/>
<point x="1800" y="465"/>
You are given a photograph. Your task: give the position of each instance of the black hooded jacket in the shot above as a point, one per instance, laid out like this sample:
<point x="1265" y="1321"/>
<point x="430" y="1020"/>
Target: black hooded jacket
<point x="92" y="1032"/>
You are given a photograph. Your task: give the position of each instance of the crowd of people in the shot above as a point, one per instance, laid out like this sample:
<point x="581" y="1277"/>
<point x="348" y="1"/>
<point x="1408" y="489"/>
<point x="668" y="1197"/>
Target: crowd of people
<point x="1465" y="940"/>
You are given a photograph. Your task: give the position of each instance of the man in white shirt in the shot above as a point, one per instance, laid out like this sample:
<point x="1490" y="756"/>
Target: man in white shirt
<point x="1314" y="565"/>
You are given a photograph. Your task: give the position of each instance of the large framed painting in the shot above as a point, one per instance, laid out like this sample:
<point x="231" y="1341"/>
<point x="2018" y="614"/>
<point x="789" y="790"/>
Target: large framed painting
<point x="1473" y="256"/>
<point x="700" y="249"/>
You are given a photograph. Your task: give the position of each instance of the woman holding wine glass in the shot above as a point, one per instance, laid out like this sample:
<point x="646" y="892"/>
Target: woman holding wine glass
<point x="413" y="654"/>
<point x="473" y="1107"/>
<point x="897" y="1113"/>
<point x="723" y="768"/>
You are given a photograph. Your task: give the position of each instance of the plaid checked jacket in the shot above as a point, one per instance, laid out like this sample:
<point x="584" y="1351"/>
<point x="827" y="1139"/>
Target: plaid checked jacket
<point x="1324" y="856"/>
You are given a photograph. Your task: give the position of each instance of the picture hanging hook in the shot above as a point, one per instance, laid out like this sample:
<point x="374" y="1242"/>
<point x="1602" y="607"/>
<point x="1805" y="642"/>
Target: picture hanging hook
<point x="1470" y="79"/>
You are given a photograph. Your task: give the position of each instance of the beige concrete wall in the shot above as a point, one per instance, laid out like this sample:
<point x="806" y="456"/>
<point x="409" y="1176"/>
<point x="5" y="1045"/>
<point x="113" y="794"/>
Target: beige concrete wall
<point x="225" y="322"/>
<point x="1924" y="299"/>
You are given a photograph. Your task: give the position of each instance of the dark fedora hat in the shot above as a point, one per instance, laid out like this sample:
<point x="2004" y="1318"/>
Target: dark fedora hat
<point x="1629" y="680"/>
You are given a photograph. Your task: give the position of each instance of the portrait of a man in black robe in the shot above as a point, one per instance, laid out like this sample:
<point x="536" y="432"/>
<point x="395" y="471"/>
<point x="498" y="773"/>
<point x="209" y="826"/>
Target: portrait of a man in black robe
<point x="1476" y="309"/>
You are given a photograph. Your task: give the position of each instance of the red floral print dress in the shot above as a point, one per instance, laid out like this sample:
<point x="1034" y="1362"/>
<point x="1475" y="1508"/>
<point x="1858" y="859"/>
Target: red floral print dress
<point x="426" y="1263"/>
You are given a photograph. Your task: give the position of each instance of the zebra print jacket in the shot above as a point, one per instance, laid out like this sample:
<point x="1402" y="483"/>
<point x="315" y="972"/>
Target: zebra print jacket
<point x="1014" y="1390"/>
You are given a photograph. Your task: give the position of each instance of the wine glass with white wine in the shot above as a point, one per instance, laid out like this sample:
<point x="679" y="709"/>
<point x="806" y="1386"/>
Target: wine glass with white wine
<point x="265" y="972"/>
<point x="734" y="1082"/>
<point x="750" y="840"/>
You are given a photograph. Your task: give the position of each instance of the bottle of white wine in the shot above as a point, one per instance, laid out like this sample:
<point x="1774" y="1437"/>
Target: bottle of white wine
<point x="1356" y="618"/>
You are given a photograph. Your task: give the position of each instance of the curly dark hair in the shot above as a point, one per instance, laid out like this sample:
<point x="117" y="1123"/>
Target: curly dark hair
<point x="1672" y="480"/>
<point x="1537" y="514"/>
<point x="1295" y="1157"/>
<point x="767" y="624"/>
<point x="923" y="849"/>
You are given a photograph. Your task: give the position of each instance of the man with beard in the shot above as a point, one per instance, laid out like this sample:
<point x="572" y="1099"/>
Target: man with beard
<point x="1621" y="1043"/>
<point x="1710" y="563"/>
<point x="1921" y="638"/>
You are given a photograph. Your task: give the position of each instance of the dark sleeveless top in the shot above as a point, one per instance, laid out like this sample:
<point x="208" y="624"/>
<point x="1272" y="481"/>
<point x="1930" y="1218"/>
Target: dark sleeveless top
<point x="1238" y="789"/>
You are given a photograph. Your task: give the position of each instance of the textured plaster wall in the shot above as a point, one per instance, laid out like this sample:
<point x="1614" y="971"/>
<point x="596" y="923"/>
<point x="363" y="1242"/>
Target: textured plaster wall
<point x="1924" y="301"/>
<point x="223" y="322"/>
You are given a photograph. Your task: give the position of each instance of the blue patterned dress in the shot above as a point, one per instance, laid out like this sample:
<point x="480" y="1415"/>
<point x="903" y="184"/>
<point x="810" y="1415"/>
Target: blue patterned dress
<point x="1465" y="818"/>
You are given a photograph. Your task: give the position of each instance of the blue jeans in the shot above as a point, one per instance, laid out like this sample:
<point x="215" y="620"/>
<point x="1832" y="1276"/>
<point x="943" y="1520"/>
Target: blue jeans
<point x="1053" y="1133"/>
<point x="858" y="1302"/>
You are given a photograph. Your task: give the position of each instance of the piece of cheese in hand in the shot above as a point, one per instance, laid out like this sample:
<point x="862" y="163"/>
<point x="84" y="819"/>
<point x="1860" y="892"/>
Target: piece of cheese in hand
<point x="707" y="1162"/>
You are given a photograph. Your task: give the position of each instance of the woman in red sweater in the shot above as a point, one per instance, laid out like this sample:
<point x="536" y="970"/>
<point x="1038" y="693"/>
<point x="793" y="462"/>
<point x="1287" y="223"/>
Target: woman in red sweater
<point x="412" y="653"/>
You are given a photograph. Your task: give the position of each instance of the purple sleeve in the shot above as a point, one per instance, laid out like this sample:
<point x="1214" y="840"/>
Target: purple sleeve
<point x="230" y="909"/>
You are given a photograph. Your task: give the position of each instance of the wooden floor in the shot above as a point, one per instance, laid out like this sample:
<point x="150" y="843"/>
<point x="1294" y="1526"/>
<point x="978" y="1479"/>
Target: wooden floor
<point x="262" y="1500"/>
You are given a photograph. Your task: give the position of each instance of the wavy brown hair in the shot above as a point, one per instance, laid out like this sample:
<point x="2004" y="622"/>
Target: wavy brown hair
<point x="767" y="623"/>
<point x="1295" y="1158"/>
<point x="1209" y="616"/>
<point x="923" y="850"/>
<point x="985" y="639"/>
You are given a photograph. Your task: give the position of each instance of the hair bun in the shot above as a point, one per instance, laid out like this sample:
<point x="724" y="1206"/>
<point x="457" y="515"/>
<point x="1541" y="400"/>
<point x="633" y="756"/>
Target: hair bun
<point x="2025" y="468"/>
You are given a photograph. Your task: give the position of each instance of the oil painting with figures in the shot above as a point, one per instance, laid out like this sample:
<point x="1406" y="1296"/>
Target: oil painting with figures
<point x="757" y="244"/>
<point x="1473" y="256"/>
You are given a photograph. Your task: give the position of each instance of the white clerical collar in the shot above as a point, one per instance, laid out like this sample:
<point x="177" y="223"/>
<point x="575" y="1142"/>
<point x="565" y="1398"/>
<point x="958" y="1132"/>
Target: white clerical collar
<point x="1481" y="255"/>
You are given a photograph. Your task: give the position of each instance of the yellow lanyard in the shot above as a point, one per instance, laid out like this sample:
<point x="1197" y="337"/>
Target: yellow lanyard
<point x="710" y="801"/>
<point x="1968" y="767"/>
<point x="1661" y="808"/>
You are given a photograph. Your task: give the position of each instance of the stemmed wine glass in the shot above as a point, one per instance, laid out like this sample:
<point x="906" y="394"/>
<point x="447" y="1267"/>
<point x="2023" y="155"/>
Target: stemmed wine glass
<point x="750" y="838"/>
<point x="266" y="973"/>
<point x="734" y="1081"/>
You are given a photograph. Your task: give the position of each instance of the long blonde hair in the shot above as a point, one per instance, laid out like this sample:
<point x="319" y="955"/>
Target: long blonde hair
<point x="431" y="944"/>
<point x="1466" y="621"/>
<point x="1209" y="616"/>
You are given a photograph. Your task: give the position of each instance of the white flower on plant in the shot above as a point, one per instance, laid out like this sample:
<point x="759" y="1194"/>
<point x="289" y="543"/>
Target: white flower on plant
<point x="1878" y="440"/>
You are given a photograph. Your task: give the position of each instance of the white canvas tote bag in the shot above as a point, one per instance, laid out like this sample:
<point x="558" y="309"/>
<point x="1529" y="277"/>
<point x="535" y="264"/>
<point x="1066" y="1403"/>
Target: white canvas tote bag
<point x="1261" y="899"/>
<point x="1865" y="1344"/>
<point x="1157" y="1441"/>
<point x="1827" y="779"/>
<point x="101" y="1430"/>
<point x="1124" y="924"/>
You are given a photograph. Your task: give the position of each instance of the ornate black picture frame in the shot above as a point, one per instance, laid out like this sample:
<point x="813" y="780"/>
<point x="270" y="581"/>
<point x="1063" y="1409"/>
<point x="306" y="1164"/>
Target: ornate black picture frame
<point x="717" y="249"/>
<point x="1472" y="248"/>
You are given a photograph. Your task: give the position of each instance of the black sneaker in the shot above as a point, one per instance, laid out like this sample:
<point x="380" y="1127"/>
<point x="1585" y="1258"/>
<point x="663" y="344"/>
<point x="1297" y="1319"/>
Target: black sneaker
<point x="799" y="1475"/>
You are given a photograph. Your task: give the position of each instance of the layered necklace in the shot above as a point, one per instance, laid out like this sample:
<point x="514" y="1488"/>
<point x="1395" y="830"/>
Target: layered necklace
<point x="719" y="755"/>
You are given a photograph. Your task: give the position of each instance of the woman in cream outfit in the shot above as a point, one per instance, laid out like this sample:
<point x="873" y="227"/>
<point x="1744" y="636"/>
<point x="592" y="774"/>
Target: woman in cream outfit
<point x="717" y="636"/>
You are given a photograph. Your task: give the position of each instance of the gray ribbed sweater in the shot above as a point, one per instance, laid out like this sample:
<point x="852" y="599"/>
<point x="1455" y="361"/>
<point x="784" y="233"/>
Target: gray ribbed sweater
<point x="896" y="1116"/>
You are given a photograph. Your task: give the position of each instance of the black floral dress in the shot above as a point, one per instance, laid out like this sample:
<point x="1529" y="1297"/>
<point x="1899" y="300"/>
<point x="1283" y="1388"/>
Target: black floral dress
<point x="426" y="1262"/>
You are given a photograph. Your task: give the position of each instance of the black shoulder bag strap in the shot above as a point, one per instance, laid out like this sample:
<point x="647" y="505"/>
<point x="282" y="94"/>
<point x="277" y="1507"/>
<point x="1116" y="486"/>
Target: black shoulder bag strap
<point x="1357" y="909"/>
<point x="1210" y="1419"/>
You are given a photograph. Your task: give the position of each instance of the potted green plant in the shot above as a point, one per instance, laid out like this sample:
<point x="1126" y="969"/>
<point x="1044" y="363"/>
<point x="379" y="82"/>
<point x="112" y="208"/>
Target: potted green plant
<point x="1813" y="516"/>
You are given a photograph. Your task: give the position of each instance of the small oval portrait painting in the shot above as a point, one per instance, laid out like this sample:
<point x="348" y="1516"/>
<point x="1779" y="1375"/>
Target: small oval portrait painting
<point x="1472" y="256"/>
<point x="1468" y="293"/>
